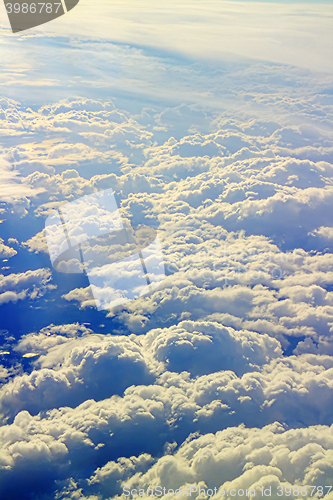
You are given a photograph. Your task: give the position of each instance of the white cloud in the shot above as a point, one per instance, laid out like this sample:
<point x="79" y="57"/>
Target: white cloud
<point x="50" y="336"/>
<point x="171" y="410"/>
<point x="37" y="243"/>
<point x="270" y="457"/>
<point x="280" y="33"/>
<point x="33" y="284"/>
<point x="71" y="370"/>
<point x="323" y="232"/>
<point x="5" y="251"/>
<point x="205" y="347"/>
<point x="12" y="189"/>
<point x="230" y="192"/>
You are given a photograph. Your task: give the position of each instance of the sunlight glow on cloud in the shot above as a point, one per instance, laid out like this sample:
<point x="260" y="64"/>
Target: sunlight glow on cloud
<point x="287" y="33"/>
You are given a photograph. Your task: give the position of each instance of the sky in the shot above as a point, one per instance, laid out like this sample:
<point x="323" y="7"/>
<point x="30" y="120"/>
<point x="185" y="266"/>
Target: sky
<point x="211" y="124"/>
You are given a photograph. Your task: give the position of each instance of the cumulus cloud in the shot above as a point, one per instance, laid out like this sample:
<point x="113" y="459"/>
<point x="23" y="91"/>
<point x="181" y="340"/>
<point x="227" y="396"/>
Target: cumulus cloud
<point x="206" y="347"/>
<point x="37" y="243"/>
<point x="51" y="336"/>
<point x="269" y="457"/>
<point x="12" y="189"/>
<point x="75" y="364"/>
<point x="79" y="364"/>
<point x="147" y="416"/>
<point x="202" y="190"/>
<point x="6" y="251"/>
<point x="72" y="370"/>
<point x="32" y="284"/>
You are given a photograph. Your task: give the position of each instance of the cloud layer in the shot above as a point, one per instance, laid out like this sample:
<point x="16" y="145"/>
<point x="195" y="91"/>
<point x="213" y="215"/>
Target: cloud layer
<point x="223" y="375"/>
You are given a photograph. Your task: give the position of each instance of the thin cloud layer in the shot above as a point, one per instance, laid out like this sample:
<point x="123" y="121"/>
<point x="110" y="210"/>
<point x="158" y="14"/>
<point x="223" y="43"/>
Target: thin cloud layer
<point x="287" y="33"/>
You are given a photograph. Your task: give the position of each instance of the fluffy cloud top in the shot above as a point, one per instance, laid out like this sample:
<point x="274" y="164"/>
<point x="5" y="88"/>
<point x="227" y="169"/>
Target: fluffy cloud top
<point x="56" y="441"/>
<point x="269" y="457"/>
<point x="6" y="251"/>
<point x="32" y="284"/>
